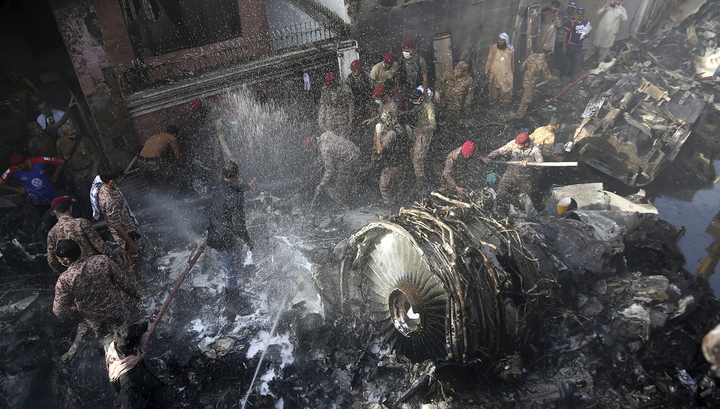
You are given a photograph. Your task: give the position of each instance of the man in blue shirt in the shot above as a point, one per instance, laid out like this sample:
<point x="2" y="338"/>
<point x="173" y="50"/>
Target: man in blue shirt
<point x="32" y="174"/>
<point x="576" y="30"/>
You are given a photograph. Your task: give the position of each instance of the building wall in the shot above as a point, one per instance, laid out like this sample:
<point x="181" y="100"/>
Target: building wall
<point x="474" y="24"/>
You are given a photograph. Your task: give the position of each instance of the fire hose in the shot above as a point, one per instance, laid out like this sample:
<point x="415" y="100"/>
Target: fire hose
<point x="537" y="164"/>
<point x="541" y="106"/>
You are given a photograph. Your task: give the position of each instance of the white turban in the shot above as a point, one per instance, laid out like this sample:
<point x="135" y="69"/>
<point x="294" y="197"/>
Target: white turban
<point x="505" y="37"/>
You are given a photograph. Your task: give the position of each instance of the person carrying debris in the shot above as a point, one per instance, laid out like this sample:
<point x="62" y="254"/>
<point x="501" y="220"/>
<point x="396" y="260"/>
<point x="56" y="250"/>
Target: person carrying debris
<point x="120" y="220"/>
<point x="544" y="137"/>
<point x="41" y="144"/>
<point x="337" y="106"/>
<point x="499" y="70"/>
<point x="392" y="144"/>
<point x="32" y="173"/>
<point x="82" y="163"/>
<point x="453" y="94"/>
<point x="227" y="225"/>
<point x="456" y="165"/>
<point x="77" y="229"/>
<point x="519" y="176"/>
<point x="422" y="123"/>
<point x="340" y="158"/>
<point x="413" y="70"/>
<point x="150" y="158"/>
<point x="124" y="359"/>
<point x="576" y="30"/>
<point x="612" y="14"/>
<point x="535" y="66"/>
<point x="91" y="287"/>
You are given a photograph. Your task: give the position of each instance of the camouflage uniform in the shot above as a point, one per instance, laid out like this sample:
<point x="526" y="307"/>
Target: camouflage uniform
<point x="94" y="285"/>
<point x="339" y="156"/>
<point x="379" y="74"/>
<point x="411" y="72"/>
<point x="544" y="138"/>
<point x="534" y="67"/>
<point x="117" y="214"/>
<point x="80" y="231"/>
<point x="362" y="93"/>
<point x="517" y="175"/>
<point x="337" y="109"/>
<point x="456" y="93"/>
<point x="455" y="169"/>
<point x="396" y="143"/>
<point x="423" y="123"/>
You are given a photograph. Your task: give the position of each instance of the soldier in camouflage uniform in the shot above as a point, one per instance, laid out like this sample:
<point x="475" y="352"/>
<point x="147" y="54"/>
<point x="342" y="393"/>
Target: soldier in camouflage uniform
<point x="544" y="138"/>
<point x="422" y="122"/>
<point x="519" y="176"/>
<point x="337" y="106"/>
<point x="535" y="66"/>
<point x="340" y="158"/>
<point x="453" y="94"/>
<point x="456" y="165"/>
<point x="120" y="220"/>
<point x="93" y="288"/>
<point x="393" y="143"/>
<point x="78" y="230"/>
<point x="359" y="82"/>
<point x="82" y="166"/>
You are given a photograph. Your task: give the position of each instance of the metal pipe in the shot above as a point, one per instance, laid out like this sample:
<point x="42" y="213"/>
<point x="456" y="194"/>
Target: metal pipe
<point x="172" y="293"/>
<point x="536" y="164"/>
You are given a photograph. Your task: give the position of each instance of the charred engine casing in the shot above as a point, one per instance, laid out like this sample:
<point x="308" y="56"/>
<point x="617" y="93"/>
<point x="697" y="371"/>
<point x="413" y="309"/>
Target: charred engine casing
<point x="445" y="280"/>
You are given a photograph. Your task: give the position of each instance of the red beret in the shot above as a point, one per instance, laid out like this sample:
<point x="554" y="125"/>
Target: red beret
<point x="17" y="160"/>
<point x="196" y="103"/>
<point x="521" y="138"/>
<point x="468" y="148"/>
<point x="379" y="92"/>
<point x="388" y="58"/>
<point x="330" y="78"/>
<point x="356" y="65"/>
<point x="407" y="44"/>
<point x="59" y="200"/>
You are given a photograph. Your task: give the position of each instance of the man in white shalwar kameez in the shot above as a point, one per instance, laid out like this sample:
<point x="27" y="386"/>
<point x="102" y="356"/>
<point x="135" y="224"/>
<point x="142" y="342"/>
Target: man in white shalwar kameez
<point x="604" y="36"/>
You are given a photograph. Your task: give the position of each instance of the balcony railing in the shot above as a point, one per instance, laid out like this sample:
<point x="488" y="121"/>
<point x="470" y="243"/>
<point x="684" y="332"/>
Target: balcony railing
<point x="223" y="55"/>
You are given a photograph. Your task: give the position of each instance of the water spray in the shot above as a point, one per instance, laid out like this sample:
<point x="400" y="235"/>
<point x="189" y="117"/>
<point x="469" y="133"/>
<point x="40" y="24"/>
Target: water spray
<point x="262" y="356"/>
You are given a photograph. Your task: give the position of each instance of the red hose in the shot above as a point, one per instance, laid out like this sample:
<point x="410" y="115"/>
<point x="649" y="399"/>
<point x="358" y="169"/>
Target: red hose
<point x="172" y="293"/>
<point x="541" y="106"/>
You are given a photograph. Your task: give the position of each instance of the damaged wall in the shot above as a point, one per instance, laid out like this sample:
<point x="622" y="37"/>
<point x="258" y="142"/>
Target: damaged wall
<point x="81" y="33"/>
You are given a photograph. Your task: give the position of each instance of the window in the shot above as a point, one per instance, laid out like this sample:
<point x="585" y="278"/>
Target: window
<point x="158" y="27"/>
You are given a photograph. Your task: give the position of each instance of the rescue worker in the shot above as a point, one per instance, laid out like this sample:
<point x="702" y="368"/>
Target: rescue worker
<point x="82" y="163"/>
<point x="340" y="158"/>
<point x="499" y="68"/>
<point x="124" y="359"/>
<point x="51" y="119"/>
<point x="422" y="123"/>
<point x="518" y="176"/>
<point x="120" y="220"/>
<point x="612" y="14"/>
<point x="535" y="66"/>
<point x="413" y="71"/>
<point x="32" y="173"/>
<point x="544" y="138"/>
<point x="79" y="230"/>
<point x="40" y="144"/>
<point x="453" y="94"/>
<point x="227" y="225"/>
<point x="576" y="30"/>
<point x="456" y="163"/>
<point x="565" y="15"/>
<point x="359" y="82"/>
<point x="382" y="71"/>
<point x="91" y="287"/>
<point x="392" y="143"/>
<point x="150" y="158"/>
<point x="337" y="106"/>
<point x="551" y="23"/>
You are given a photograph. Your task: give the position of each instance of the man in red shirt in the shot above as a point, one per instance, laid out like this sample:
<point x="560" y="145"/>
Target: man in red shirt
<point x="32" y="174"/>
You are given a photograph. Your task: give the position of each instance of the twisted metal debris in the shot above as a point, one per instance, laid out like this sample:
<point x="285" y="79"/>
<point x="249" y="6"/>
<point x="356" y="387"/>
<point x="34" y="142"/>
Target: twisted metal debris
<point x="447" y="279"/>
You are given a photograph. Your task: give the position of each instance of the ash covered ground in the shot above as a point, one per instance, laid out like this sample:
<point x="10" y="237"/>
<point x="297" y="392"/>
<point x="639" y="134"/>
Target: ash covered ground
<point x="627" y="338"/>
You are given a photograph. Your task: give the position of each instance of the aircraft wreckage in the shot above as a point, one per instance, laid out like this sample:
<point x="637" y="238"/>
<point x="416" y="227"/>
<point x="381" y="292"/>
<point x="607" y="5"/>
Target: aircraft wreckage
<point x="452" y="279"/>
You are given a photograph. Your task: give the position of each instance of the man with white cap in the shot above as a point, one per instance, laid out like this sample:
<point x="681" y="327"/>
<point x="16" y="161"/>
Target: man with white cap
<point x="499" y="69"/>
<point x="612" y="14"/>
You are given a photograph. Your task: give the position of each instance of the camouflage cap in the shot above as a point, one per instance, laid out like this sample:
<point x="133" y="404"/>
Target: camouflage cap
<point x="546" y="48"/>
<point x="461" y="66"/>
<point x="69" y="127"/>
